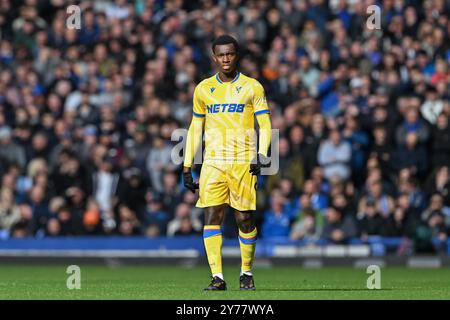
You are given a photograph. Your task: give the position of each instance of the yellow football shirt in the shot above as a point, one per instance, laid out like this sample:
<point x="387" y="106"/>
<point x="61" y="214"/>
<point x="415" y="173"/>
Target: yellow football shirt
<point x="229" y="109"/>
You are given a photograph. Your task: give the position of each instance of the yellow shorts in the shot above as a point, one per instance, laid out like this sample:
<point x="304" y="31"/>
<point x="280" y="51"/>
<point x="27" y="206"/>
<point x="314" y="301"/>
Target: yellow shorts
<point x="227" y="183"/>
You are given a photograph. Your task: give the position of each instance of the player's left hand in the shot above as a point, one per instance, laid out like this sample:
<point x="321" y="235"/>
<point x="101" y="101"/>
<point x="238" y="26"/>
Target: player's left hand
<point x="261" y="161"/>
<point x="189" y="181"/>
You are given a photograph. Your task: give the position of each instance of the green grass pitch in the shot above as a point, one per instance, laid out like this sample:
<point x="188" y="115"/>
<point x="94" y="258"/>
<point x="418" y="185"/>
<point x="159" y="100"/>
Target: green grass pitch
<point x="171" y="282"/>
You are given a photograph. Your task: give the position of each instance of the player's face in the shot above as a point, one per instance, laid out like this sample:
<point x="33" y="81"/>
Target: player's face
<point x="225" y="57"/>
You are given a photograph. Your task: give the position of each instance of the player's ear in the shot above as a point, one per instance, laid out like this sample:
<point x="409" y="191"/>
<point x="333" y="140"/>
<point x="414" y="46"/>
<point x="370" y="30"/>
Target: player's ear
<point x="213" y="56"/>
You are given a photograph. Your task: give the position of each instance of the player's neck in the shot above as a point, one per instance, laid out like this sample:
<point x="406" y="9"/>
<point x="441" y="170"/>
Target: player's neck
<point x="227" y="77"/>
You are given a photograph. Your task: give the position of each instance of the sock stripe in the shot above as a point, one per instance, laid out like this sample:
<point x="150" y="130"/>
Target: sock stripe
<point x="248" y="240"/>
<point x="211" y="233"/>
<point x="212" y="227"/>
<point x="247" y="235"/>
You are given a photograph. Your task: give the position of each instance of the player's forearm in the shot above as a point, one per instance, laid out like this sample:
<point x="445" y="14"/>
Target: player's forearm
<point x="194" y="141"/>
<point x="265" y="133"/>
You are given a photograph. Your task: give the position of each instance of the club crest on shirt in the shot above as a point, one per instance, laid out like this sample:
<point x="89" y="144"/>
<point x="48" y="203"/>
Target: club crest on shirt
<point x="238" y="89"/>
<point x="212" y="89"/>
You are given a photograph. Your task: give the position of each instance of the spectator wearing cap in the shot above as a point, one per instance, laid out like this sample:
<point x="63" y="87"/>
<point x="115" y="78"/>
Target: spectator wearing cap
<point x="155" y="215"/>
<point x="131" y="191"/>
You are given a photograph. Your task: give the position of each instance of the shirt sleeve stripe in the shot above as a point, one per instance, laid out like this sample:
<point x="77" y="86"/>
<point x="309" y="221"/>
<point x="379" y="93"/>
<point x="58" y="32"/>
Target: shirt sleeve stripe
<point x="262" y="112"/>
<point x="198" y="114"/>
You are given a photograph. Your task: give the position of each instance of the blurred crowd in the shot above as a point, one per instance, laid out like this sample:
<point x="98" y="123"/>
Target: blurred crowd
<point x="86" y="116"/>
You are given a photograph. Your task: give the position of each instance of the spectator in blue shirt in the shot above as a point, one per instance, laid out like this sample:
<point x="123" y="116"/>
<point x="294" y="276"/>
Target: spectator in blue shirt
<point x="359" y="141"/>
<point x="155" y="215"/>
<point x="276" y="220"/>
<point x="412" y="124"/>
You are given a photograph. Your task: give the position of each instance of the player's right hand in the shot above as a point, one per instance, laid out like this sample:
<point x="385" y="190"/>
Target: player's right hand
<point x="189" y="181"/>
<point x="260" y="162"/>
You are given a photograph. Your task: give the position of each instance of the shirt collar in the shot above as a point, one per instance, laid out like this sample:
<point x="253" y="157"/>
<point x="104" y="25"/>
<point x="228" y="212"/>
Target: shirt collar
<point x="234" y="80"/>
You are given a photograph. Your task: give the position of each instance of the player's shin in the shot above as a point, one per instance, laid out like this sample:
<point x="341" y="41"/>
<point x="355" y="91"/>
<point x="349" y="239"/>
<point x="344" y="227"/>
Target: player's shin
<point x="247" y="242"/>
<point x="212" y="237"/>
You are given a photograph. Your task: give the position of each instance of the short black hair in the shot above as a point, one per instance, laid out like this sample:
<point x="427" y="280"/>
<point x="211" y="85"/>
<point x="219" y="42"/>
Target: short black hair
<point x="225" y="39"/>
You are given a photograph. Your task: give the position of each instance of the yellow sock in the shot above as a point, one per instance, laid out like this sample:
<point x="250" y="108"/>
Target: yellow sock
<point x="212" y="237"/>
<point x="247" y="242"/>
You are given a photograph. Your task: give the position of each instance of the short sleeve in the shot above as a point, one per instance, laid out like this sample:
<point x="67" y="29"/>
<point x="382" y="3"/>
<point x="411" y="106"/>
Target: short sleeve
<point x="198" y="105"/>
<point x="259" y="100"/>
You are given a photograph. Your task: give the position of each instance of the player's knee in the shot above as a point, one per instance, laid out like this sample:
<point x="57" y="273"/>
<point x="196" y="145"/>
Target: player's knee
<point x="213" y="216"/>
<point x="213" y="220"/>
<point x="245" y="224"/>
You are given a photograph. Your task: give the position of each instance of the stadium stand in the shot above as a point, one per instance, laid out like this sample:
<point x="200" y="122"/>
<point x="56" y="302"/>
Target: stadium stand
<point x="86" y="118"/>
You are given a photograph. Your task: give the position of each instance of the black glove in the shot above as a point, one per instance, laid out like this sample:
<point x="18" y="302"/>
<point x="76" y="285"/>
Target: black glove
<point x="260" y="162"/>
<point x="189" y="182"/>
